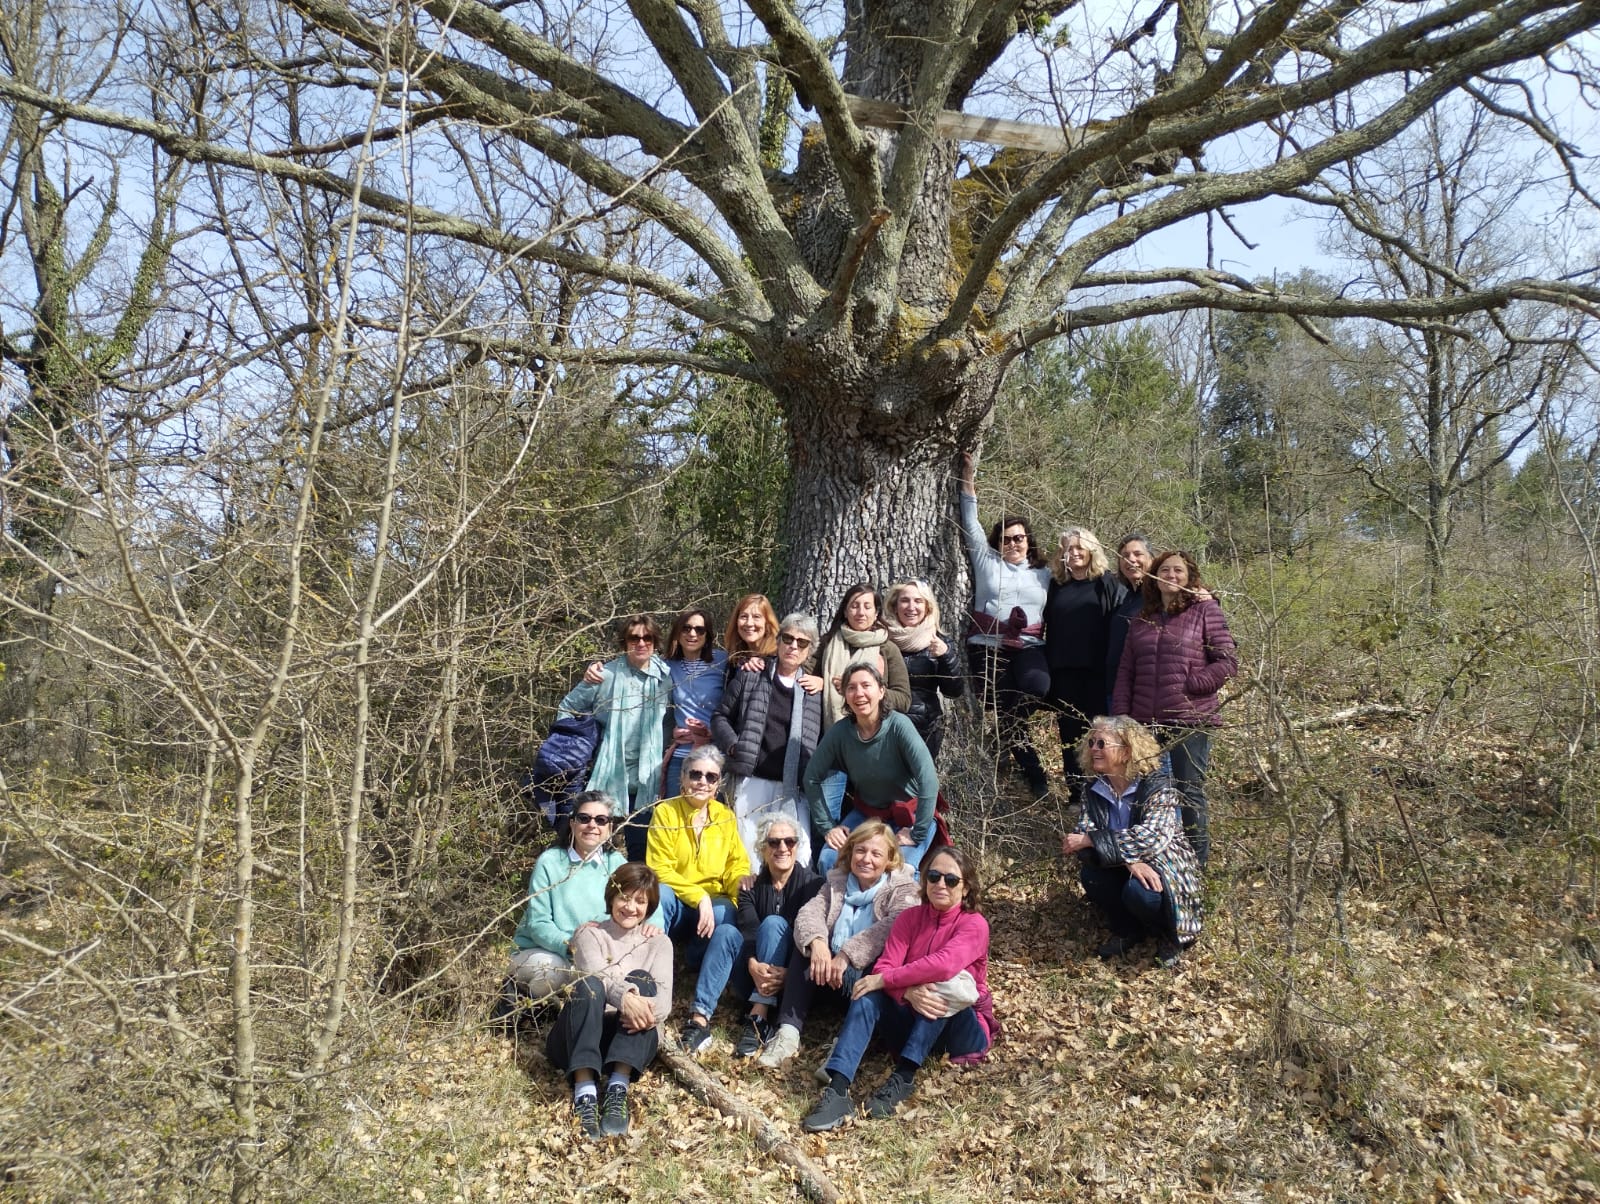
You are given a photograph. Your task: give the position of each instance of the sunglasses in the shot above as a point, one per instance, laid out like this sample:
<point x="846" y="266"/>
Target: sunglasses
<point x="1100" y="742"/>
<point x="643" y="639"/>
<point x="795" y="641"/>
<point x="601" y="820"/>
<point x="703" y="775"/>
<point x="782" y="842"/>
<point x="693" y="629"/>
<point x="1013" y="539"/>
<point x="935" y="877"/>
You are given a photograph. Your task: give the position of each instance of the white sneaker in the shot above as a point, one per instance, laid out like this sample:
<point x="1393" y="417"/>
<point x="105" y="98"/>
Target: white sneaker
<point x="821" y="1072"/>
<point x="784" y="1044"/>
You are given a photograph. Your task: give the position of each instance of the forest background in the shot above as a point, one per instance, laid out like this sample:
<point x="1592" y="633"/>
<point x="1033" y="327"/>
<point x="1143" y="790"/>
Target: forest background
<point x="315" y="501"/>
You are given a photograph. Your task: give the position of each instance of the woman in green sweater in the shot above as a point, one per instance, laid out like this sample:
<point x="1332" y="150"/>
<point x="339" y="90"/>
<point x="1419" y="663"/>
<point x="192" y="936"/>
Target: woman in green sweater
<point x="890" y="771"/>
<point x="566" y="890"/>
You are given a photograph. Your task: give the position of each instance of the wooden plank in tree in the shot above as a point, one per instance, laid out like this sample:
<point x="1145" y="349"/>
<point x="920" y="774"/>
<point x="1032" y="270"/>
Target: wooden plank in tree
<point x="967" y="127"/>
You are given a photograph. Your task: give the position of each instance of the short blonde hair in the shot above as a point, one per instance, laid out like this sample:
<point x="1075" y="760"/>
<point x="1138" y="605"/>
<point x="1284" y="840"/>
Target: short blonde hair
<point x="1144" y="750"/>
<point x="1099" y="562"/>
<point x="873" y="828"/>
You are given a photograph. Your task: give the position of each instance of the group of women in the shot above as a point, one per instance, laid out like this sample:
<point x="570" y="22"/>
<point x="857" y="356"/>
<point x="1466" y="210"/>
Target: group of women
<point x="825" y="746"/>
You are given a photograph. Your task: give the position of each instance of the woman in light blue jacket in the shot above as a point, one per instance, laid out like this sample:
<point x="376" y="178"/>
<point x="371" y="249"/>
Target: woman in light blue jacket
<point x="628" y="697"/>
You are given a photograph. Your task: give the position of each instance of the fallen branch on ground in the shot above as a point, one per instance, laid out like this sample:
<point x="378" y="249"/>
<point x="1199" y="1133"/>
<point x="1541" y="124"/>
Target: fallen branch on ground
<point x="768" y="1137"/>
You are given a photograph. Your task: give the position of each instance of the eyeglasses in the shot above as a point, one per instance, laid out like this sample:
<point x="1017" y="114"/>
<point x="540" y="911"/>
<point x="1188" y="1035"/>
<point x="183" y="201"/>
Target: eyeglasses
<point x="599" y="820"/>
<point x="1099" y="742"/>
<point x="782" y="842"/>
<point x="794" y="641"/>
<point x="703" y="775"/>
<point x="641" y="639"/>
<point x="693" y="629"/>
<point x="950" y="880"/>
<point x="1023" y="538"/>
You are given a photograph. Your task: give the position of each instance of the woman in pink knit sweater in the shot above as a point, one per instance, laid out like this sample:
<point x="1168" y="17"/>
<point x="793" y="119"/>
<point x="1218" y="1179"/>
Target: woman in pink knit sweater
<point x="928" y="993"/>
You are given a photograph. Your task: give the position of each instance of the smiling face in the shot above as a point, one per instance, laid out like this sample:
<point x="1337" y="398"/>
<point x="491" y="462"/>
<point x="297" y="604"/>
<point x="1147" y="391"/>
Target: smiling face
<point x="1014" y="544"/>
<point x="700" y="779"/>
<point x="910" y="608"/>
<point x="861" y="612"/>
<point x="591" y="825"/>
<point x="641" y="645"/>
<point x="863" y="695"/>
<point x="868" y="859"/>
<point x="1134" y="560"/>
<point x="778" y="852"/>
<point x="1108" y="756"/>
<point x="629" y="910"/>
<point x="941" y="895"/>
<point x="752" y="625"/>
<point x="1076" y="557"/>
<point x="1171" y="578"/>
<point x="692" y="635"/>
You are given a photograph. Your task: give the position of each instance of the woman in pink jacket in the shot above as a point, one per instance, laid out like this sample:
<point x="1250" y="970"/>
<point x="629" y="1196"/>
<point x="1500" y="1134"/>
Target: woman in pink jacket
<point x="1178" y="653"/>
<point x="928" y="993"/>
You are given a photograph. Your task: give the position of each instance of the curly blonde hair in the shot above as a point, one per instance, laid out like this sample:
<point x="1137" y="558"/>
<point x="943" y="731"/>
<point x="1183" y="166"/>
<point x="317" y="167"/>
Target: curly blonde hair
<point x="1144" y="750"/>
<point x="1099" y="562"/>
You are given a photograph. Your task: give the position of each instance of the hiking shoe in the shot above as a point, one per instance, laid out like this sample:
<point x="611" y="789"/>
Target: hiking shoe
<point x="757" y="1032"/>
<point x="1168" y="954"/>
<point x="587" y="1109"/>
<point x="1116" y="947"/>
<point x="696" y="1036"/>
<point x="614" y="1116"/>
<point x="781" y="1046"/>
<point x="832" y="1110"/>
<point x="895" y="1091"/>
<point x="821" y="1072"/>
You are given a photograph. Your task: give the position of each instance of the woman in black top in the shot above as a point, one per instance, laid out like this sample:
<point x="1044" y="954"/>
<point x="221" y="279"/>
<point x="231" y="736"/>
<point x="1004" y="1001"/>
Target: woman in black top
<point x="1083" y="596"/>
<point x="932" y="662"/>
<point x="768" y="904"/>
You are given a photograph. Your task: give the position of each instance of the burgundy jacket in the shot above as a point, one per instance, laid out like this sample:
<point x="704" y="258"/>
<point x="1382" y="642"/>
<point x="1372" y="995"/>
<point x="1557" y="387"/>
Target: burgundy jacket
<point x="1173" y="665"/>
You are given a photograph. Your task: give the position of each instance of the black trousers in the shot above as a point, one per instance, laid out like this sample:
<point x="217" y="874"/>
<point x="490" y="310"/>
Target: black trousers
<point x="584" y="1037"/>
<point x="1077" y="696"/>
<point x="1013" y="683"/>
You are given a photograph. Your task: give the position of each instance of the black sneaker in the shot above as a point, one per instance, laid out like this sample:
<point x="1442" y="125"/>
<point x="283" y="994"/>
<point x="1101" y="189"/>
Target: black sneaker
<point x="1117" y="946"/>
<point x="695" y="1037"/>
<point x="614" y="1116"/>
<point x="1168" y="954"/>
<point x="832" y="1110"/>
<point x="757" y="1032"/>
<point x="586" y="1109"/>
<point x="888" y="1098"/>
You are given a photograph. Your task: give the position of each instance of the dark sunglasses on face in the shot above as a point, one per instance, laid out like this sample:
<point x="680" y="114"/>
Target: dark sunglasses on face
<point x="703" y="775"/>
<point x="641" y="639"/>
<point x="782" y="842"/>
<point x="694" y="629"/>
<point x="601" y="819"/>
<point x="795" y="641"/>
<point x="1013" y="539"/>
<point x="935" y="877"/>
<point x="1101" y="742"/>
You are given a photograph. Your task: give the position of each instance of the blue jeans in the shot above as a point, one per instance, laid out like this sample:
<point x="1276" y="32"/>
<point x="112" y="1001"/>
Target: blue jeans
<point x="773" y="944"/>
<point x="912" y="1035"/>
<point x="853" y="819"/>
<point x="833" y="788"/>
<point x="714" y="953"/>
<point x="1190" y="752"/>
<point x="1130" y="909"/>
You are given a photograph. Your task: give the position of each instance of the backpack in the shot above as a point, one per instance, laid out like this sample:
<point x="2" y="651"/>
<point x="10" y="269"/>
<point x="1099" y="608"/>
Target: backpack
<point x="560" y="765"/>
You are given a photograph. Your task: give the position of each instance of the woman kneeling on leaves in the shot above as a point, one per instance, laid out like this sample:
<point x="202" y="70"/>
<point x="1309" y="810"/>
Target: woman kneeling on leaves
<point x="611" y="1021"/>
<point x="927" y="994"/>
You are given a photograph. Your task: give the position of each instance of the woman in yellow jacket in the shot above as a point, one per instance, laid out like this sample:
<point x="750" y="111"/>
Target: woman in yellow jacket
<point x="695" y="850"/>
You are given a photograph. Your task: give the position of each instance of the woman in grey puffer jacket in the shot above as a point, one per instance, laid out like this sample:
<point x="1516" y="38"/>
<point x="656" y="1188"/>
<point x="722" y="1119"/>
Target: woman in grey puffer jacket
<point x="1178" y="654"/>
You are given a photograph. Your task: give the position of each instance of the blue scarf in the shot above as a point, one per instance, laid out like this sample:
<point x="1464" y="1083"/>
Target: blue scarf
<point x="856" y="914"/>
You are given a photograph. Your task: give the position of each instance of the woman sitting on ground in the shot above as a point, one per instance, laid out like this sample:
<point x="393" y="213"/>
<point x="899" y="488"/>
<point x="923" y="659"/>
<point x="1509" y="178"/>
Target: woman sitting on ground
<point x="927" y="994"/>
<point x="767" y="911"/>
<point x="769" y="724"/>
<point x="610" y="1021"/>
<point x="888" y="770"/>
<point x="566" y="890"/>
<point x="842" y="929"/>
<point x="1136" y="865"/>
<point x="696" y="852"/>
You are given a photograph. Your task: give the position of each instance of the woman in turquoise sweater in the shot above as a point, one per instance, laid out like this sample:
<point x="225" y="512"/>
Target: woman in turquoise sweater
<point x="890" y="771"/>
<point x="566" y="890"/>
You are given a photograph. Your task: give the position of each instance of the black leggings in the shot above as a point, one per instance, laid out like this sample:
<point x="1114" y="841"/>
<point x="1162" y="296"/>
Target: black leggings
<point x="1013" y="682"/>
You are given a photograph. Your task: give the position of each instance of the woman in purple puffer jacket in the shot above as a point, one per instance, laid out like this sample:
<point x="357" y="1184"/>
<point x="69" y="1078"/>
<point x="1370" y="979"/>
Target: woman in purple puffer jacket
<point x="1178" y="653"/>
